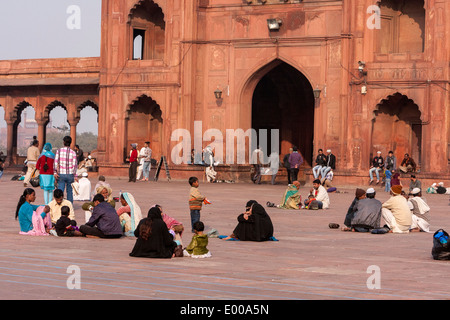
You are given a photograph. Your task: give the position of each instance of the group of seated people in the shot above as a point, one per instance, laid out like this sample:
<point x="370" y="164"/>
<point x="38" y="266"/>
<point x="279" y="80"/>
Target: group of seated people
<point x="158" y="235"/>
<point x="102" y="221"/>
<point x="401" y="213"/>
<point x="317" y="198"/>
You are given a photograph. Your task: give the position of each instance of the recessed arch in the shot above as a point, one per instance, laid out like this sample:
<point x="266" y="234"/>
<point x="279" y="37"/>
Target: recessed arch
<point x="144" y="122"/>
<point x="397" y="126"/>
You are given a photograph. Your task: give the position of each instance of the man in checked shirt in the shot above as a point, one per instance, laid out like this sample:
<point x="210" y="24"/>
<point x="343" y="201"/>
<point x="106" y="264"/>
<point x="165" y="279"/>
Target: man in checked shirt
<point x="65" y="167"/>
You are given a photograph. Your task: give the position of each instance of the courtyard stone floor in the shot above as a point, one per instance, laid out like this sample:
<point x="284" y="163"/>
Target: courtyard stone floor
<point x="310" y="260"/>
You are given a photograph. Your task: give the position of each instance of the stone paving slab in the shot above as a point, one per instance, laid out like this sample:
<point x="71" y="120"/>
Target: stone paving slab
<point x="310" y="261"/>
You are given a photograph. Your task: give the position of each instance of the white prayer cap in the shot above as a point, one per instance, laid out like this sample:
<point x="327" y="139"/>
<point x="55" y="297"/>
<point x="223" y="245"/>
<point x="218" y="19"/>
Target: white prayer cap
<point x="329" y="150"/>
<point x="434" y="184"/>
<point x="370" y="190"/>
<point x="84" y="174"/>
<point x="415" y="191"/>
<point x="378" y="151"/>
<point x="441" y="184"/>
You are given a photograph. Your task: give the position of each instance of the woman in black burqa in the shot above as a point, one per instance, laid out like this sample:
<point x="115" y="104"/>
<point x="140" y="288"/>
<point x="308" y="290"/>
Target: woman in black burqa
<point x="153" y="237"/>
<point x="253" y="225"/>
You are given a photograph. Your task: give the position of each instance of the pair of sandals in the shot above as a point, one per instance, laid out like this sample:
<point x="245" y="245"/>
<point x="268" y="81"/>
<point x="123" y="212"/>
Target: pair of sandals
<point x="271" y="204"/>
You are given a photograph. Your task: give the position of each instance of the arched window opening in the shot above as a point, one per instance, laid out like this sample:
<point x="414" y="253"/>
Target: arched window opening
<point x="147" y="31"/>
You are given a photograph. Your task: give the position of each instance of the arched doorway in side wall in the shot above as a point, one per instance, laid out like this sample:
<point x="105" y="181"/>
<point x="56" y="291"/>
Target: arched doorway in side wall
<point x="397" y="126"/>
<point x="283" y="99"/>
<point x="144" y="123"/>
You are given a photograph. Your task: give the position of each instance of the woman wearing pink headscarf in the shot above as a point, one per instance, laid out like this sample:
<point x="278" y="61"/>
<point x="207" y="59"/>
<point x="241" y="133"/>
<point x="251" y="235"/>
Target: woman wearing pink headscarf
<point x="175" y="227"/>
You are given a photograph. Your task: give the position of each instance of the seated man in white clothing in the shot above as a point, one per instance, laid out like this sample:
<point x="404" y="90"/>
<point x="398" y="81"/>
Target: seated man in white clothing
<point x="420" y="211"/>
<point x="82" y="188"/>
<point x="320" y="194"/>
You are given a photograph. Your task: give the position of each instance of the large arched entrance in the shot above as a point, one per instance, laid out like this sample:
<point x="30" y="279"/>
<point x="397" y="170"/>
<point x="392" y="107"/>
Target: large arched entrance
<point x="283" y="99"/>
<point x="397" y="126"/>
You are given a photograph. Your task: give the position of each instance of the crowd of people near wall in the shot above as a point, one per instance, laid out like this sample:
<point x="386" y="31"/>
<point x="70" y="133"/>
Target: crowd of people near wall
<point x="160" y="236"/>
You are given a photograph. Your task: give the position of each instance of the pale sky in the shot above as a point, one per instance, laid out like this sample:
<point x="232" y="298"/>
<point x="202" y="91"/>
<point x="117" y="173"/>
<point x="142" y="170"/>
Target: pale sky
<point x="35" y="29"/>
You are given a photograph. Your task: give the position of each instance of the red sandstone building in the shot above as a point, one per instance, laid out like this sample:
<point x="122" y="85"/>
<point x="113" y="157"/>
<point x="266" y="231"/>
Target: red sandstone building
<point x="328" y="74"/>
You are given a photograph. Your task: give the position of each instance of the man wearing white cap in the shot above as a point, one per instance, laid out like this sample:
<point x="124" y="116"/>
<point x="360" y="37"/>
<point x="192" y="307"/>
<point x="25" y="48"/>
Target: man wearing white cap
<point x="367" y="213"/>
<point x="420" y="211"/>
<point x="377" y="166"/>
<point x="82" y="188"/>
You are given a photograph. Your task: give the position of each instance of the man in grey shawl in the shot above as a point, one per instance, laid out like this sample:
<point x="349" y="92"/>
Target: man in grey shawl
<point x="367" y="213"/>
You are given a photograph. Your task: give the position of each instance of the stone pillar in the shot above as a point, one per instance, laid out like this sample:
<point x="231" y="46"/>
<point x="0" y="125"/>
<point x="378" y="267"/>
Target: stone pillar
<point x="41" y="132"/>
<point x="10" y="142"/>
<point x="73" y="132"/>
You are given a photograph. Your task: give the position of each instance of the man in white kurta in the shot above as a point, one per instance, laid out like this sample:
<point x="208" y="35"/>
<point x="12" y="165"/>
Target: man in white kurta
<point x="320" y="194"/>
<point x="396" y="213"/>
<point x="82" y="189"/>
<point x="420" y="211"/>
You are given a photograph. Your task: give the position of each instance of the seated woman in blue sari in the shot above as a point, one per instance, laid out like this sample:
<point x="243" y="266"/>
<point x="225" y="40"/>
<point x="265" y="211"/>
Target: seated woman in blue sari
<point x="33" y="219"/>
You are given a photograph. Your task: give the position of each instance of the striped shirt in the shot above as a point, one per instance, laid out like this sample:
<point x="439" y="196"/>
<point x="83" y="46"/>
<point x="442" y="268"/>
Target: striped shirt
<point x="66" y="161"/>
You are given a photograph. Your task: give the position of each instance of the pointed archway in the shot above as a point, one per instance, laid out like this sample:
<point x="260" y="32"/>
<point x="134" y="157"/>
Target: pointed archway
<point x="283" y="99"/>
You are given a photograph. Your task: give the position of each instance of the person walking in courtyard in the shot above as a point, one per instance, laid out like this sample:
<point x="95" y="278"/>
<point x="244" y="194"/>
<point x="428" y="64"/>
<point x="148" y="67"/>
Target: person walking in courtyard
<point x="32" y="158"/>
<point x="45" y="165"/>
<point x="65" y="167"/>
<point x="146" y="157"/>
<point x="287" y="165"/>
<point x="295" y="161"/>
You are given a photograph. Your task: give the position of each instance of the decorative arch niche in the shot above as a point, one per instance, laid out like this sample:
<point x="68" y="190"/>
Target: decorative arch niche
<point x="397" y="126"/>
<point x="144" y="122"/>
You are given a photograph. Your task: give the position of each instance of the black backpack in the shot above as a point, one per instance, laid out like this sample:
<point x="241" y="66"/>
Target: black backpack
<point x="441" y="246"/>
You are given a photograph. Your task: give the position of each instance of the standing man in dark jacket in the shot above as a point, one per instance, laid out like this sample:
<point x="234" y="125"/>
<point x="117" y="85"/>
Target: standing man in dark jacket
<point x="104" y="222"/>
<point x="295" y="161"/>
<point x="287" y="165"/>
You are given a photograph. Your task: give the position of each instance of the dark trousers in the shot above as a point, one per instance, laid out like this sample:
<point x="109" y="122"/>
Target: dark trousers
<point x="94" y="231"/>
<point x="195" y="216"/>
<point x="289" y="175"/>
<point x="294" y="174"/>
<point x="132" y="171"/>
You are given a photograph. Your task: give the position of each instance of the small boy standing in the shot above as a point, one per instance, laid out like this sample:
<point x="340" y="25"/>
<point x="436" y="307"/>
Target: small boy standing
<point x="388" y="175"/>
<point x="196" y="199"/>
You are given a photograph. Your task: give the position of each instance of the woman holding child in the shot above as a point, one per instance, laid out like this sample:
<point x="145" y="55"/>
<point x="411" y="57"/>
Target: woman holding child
<point x="33" y="219"/>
